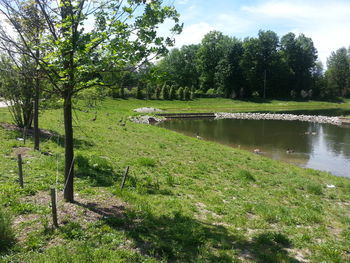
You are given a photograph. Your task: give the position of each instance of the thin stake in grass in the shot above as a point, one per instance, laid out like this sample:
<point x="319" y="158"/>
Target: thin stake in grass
<point x="20" y="170"/>
<point x="54" y="207"/>
<point x="124" y="177"/>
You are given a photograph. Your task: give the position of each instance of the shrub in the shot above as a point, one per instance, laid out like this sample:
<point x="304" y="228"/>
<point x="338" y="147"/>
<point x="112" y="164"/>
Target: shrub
<point x="210" y="92"/>
<point x="7" y="236"/>
<point x="180" y="93"/>
<point x="186" y="93"/>
<point x="172" y="94"/>
<point x="157" y="93"/>
<point x="165" y="92"/>
<point x="139" y="94"/>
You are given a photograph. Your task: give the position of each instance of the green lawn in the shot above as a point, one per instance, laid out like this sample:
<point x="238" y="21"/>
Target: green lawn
<point x="186" y="200"/>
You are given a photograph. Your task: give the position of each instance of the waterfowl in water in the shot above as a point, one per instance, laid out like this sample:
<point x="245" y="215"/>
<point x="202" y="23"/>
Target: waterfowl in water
<point x="313" y="133"/>
<point x="257" y="151"/>
<point x="289" y="151"/>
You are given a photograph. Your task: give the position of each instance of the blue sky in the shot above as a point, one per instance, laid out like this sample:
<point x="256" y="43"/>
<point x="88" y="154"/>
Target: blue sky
<point x="326" y="22"/>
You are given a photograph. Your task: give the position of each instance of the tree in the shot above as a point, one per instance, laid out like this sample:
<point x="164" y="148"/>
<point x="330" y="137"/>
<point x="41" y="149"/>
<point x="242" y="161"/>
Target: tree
<point x="213" y="48"/>
<point x="229" y="74"/>
<point x="179" y="66"/>
<point x="300" y="56"/>
<point x="338" y="72"/>
<point x="29" y="24"/>
<point x="76" y="57"/>
<point x="260" y="54"/>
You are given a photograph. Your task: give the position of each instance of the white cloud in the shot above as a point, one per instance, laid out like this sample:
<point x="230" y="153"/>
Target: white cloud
<point x="326" y="23"/>
<point x="193" y="34"/>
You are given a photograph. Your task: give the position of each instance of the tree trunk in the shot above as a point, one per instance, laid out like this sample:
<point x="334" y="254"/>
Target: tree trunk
<point x="69" y="149"/>
<point x="36" y="117"/>
<point x="36" y="108"/>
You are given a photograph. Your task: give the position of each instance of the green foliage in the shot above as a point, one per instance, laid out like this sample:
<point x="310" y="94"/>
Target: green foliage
<point x="172" y="93"/>
<point x="338" y="73"/>
<point x="7" y="236"/>
<point x="246" y="175"/>
<point x="139" y="94"/>
<point x="314" y="188"/>
<point x="186" y="94"/>
<point x="146" y="162"/>
<point x="180" y="93"/>
<point x="165" y="92"/>
<point x="157" y="93"/>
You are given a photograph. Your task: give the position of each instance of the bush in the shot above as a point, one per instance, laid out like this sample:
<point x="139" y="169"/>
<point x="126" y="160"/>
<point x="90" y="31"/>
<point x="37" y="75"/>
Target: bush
<point x="139" y="94"/>
<point x="157" y="93"/>
<point x="172" y="94"/>
<point x="180" y="93"/>
<point x="186" y="93"/>
<point x="7" y="236"/>
<point x="210" y="92"/>
<point x="165" y="92"/>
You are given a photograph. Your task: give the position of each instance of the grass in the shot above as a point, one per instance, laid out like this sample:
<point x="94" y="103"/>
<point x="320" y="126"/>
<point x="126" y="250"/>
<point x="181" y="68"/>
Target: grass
<point x="185" y="200"/>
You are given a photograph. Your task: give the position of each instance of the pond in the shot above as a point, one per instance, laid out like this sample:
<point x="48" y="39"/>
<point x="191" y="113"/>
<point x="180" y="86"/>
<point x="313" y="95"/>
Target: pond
<point x="312" y="145"/>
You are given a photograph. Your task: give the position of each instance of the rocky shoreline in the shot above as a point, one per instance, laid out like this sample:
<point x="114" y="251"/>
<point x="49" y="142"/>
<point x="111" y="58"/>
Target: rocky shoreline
<point x="282" y="117"/>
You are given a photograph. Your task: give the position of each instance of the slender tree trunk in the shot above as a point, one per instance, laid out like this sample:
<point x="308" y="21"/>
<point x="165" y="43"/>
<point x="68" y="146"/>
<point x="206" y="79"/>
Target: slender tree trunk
<point x="36" y="107"/>
<point x="36" y="116"/>
<point x="69" y="149"/>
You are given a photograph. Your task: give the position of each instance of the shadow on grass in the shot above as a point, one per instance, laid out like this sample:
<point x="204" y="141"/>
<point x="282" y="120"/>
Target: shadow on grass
<point x="180" y="238"/>
<point x="96" y="169"/>
<point x="44" y="134"/>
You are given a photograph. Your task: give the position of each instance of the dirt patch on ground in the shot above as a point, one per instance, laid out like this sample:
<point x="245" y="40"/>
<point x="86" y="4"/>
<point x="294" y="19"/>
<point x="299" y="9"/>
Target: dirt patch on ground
<point x="21" y="150"/>
<point x="30" y="131"/>
<point x="84" y="210"/>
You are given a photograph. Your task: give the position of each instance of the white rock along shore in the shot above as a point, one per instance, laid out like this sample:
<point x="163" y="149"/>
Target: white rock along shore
<point x="282" y="117"/>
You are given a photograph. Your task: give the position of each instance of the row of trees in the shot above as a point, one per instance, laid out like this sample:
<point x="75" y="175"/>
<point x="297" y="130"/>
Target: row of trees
<point x="265" y="66"/>
<point x="67" y="46"/>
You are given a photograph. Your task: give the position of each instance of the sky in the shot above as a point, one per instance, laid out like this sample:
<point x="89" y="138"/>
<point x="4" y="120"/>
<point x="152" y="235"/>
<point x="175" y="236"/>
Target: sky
<point x="327" y="22"/>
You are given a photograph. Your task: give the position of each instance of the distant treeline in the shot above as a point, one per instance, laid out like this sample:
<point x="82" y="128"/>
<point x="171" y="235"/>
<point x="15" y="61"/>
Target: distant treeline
<point x="265" y="66"/>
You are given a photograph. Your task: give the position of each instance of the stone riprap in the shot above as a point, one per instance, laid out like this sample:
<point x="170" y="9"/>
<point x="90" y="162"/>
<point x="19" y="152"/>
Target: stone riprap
<point x="147" y="110"/>
<point x="281" y="117"/>
<point x="145" y="119"/>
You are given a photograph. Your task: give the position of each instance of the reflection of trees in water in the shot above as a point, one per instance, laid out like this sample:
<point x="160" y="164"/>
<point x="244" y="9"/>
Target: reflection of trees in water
<point x="337" y="139"/>
<point x="324" y="150"/>
<point x="259" y="133"/>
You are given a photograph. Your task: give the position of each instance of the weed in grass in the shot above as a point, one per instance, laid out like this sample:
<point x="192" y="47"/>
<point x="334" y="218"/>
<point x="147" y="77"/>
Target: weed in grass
<point x="246" y="176"/>
<point x="146" y="162"/>
<point x="314" y="188"/>
<point x="7" y="236"/>
<point x="72" y="230"/>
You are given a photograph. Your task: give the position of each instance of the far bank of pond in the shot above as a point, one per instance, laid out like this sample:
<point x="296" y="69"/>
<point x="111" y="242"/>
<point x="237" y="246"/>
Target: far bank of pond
<point x="321" y="146"/>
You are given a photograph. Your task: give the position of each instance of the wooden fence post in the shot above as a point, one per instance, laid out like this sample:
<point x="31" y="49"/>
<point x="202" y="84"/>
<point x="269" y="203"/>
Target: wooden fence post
<point x="124" y="177"/>
<point x="54" y="207"/>
<point x="20" y="170"/>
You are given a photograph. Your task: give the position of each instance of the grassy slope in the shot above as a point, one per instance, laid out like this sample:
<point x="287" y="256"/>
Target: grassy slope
<point x="188" y="200"/>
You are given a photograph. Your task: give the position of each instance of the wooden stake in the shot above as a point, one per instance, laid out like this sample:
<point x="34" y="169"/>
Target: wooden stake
<point x="20" y="170"/>
<point x="54" y="207"/>
<point x="124" y="177"/>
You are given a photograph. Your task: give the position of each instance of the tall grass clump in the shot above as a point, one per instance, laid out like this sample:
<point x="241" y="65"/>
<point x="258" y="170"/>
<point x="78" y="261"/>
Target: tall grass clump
<point x="7" y="236"/>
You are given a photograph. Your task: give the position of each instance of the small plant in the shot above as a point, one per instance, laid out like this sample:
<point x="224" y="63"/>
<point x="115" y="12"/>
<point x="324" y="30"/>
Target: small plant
<point x="246" y="175"/>
<point x="147" y="162"/>
<point x="72" y="230"/>
<point x="315" y="189"/>
<point x="7" y="237"/>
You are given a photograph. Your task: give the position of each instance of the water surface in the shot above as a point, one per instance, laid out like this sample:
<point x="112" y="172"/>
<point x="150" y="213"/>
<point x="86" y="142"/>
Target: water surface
<point x="320" y="146"/>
